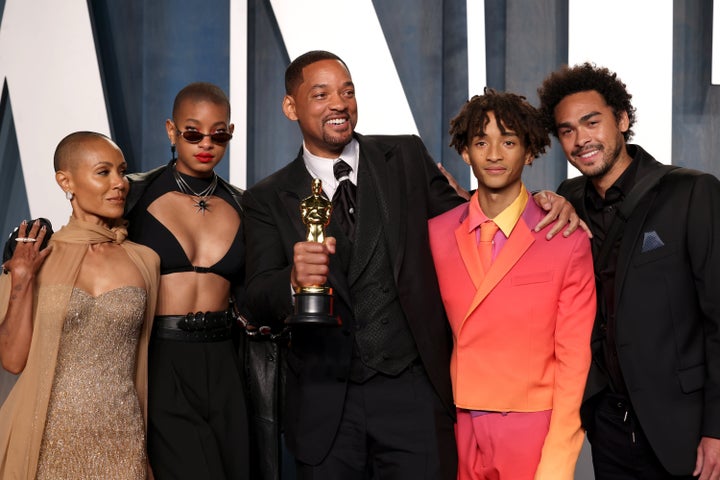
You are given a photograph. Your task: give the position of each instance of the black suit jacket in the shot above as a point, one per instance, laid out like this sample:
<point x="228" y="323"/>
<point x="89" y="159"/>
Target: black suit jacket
<point x="667" y="298"/>
<point x="319" y="358"/>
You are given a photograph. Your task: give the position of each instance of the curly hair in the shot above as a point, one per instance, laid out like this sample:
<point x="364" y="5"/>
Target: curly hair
<point x="293" y="73"/>
<point x="582" y="78"/>
<point x="512" y="112"/>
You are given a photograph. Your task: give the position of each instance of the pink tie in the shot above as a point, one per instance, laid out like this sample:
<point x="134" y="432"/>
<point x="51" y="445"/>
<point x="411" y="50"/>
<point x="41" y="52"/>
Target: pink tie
<point x="487" y="233"/>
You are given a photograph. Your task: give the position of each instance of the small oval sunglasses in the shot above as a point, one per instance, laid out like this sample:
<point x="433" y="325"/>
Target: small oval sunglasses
<point x="193" y="136"/>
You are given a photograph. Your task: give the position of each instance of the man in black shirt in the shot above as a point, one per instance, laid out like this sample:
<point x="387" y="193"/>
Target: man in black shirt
<point x="652" y="400"/>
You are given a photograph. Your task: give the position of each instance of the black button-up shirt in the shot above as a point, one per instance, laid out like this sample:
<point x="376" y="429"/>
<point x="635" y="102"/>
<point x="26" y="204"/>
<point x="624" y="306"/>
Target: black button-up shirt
<point x="601" y="212"/>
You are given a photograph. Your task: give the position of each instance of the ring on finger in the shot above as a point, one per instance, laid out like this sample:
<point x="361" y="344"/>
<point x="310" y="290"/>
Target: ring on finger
<point x="26" y="240"/>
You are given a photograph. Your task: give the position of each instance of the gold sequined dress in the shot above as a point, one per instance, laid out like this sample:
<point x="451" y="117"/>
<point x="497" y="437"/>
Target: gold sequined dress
<point x="94" y="427"/>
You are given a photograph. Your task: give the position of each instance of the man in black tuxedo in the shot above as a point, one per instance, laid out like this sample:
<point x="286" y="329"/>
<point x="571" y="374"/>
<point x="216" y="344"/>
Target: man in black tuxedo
<point x="652" y="400"/>
<point x="372" y="397"/>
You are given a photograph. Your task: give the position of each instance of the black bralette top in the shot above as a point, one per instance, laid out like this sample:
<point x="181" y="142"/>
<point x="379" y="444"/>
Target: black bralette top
<point x="147" y="230"/>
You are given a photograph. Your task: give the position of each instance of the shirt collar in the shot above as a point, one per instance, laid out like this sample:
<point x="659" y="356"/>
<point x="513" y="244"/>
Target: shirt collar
<point x="322" y="168"/>
<point x="617" y="191"/>
<point x="505" y="220"/>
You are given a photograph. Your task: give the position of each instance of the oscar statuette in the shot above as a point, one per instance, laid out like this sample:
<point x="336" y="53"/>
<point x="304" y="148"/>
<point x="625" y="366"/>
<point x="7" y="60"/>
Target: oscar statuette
<point x="314" y="304"/>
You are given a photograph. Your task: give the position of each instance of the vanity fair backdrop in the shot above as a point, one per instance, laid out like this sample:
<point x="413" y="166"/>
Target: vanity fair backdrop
<point x="115" y="67"/>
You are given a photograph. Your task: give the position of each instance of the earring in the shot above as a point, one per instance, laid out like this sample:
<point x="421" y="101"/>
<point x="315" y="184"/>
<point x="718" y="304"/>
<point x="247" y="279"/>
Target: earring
<point x="172" y="151"/>
<point x="69" y="195"/>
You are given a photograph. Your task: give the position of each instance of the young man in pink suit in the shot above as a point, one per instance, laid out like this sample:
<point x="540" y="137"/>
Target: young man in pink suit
<point x="521" y="324"/>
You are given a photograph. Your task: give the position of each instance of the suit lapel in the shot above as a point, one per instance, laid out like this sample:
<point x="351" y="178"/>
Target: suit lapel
<point x="518" y="243"/>
<point x="468" y="248"/>
<point x="296" y="187"/>
<point x="629" y="238"/>
<point x="367" y="234"/>
<point x="632" y="230"/>
<point x="386" y="174"/>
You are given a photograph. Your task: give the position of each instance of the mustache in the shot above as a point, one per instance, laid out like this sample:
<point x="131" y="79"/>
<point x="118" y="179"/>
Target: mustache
<point x="587" y="148"/>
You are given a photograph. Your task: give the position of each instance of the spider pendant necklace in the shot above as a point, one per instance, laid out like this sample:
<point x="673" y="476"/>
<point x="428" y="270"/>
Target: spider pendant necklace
<point x="201" y="201"/>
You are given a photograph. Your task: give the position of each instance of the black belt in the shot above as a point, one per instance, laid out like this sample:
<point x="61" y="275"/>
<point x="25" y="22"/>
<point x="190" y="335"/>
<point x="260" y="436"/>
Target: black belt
<point x="194" y="327"/>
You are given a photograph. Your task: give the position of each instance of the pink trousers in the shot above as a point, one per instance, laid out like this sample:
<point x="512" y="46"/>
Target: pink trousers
<point x="498" y="446"/>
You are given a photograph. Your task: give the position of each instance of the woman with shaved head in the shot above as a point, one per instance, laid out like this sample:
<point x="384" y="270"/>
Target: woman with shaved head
<point x="191" y="217"/>
<point x="75" y="319"/>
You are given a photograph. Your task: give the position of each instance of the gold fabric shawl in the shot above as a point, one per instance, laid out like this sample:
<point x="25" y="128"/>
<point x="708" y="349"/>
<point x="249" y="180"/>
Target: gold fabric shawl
<point x="23" y="415"/>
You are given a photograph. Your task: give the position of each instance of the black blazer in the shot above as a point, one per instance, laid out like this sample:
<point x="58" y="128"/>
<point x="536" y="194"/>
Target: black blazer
<point x="319" y="359"/>
<point x="667" y="298"/>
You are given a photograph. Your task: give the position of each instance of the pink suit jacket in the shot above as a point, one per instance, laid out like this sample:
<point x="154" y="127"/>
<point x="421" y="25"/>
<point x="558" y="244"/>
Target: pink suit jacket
<point x="521" y="330"/>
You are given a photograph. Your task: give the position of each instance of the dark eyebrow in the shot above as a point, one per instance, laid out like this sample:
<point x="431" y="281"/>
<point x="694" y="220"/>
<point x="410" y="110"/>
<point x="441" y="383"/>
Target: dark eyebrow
<point x="588" y="116"/>
<point x="324" y="85"/>
<point x="583" y="119"/>
<point x="194" y="122"/>
<point x="105" y="163"/>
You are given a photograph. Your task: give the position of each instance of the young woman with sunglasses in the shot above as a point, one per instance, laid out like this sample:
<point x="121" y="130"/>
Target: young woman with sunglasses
<point x="191" y="218"/>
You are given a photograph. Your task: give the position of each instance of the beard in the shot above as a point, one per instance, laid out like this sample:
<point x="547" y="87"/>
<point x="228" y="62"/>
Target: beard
<point x="609" y="159"/>
<point x="337" y="140"/>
